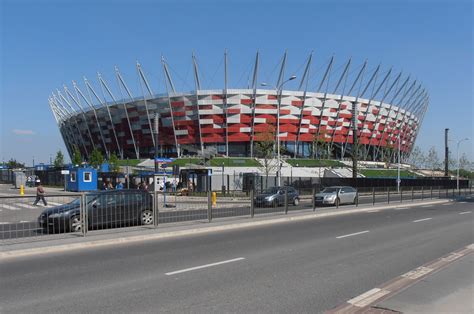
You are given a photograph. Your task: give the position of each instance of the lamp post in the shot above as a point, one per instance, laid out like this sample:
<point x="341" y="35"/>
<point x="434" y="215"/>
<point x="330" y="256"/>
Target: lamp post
<point x="457" y="153"/>
<point x="279" y="89"/>
<point x="223" y="185"/>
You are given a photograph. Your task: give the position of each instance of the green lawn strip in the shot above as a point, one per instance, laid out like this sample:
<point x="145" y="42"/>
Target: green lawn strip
<point x="386" y="173"/>
<point x="315" y="163"/>
<point x="217" y="162"/>
<point x="129" y="162"/>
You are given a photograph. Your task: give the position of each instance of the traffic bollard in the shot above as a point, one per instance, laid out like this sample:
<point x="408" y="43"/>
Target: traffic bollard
<point x="22" y="190"/>
<point x="214" y="198"/>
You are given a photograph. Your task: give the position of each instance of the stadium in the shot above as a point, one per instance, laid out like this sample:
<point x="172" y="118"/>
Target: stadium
<point x="383" y="108"/>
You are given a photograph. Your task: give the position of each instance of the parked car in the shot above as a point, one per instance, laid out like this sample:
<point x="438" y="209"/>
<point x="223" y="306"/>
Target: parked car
<point x="336" y="195"/>
<point x="105" y="208"/>
<point x="275" y="196"/>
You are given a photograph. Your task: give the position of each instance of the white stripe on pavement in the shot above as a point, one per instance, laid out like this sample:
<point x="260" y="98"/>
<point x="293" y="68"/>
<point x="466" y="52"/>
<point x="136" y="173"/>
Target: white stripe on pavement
<point x="53" y="203"/>
<point x="352" y="234"/>
<point x="204" y="266"/>
<point x="427" y="206"/>
<point x="25" y="205"/>
<point x="9" y="207"/>
<point x="465" y="213"/>
<point x="424" y="219"/>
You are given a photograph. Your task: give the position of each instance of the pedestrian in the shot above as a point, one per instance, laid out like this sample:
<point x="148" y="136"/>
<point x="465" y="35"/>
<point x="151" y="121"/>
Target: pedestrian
<point x="104" y="185"/>
<point x="119" y="186"/>
<point x="40" y="195"/>
<point x="110" y="186"/>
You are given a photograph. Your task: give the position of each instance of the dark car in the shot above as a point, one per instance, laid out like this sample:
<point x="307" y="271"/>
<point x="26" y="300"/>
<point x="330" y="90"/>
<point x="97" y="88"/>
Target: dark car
<point x="275" y="196"/>
<point x="114" y="208"/>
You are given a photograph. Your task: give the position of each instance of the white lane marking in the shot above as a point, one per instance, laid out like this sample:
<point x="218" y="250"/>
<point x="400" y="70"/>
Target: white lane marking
<point x="25" y="205"/>
<point x="417" y="273"/>
<point x="462" y="213"/>
<point x="9" y="207"/>
<point x="53" y="203"/>
<point x="352" y="234"/>
<point x="400" y="208"/>
<point x="25" y="221"/>
<point x="462" y="202"/>
<point x="424" y="219"/>
<point x="427" y="206"/>
<point x="446" y="204"/>
<point x="368" y="297"/>
<point x="373" y="211"/>
<point x="4" y="223"/>
<point x="204" y="266"/>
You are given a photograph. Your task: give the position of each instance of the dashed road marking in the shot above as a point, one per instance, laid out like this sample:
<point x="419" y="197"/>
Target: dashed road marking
<point x="424" y="206"/>
<point x="418" y="272"/>
<point x="352" y="234"/>
<point x="204" y="266"/>
<point x="368" y="297"/>
<point x="463" y="213"/>
<point x="424" y="219"/>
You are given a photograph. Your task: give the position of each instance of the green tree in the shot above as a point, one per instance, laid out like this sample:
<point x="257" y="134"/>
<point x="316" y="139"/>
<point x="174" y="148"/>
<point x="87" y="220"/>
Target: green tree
<point x="59" y="160"/>
<point x="13" y="163"/>
<point x="114" y="163"/>
<point x="76" y="157"/>
<point x="96" y="158"/>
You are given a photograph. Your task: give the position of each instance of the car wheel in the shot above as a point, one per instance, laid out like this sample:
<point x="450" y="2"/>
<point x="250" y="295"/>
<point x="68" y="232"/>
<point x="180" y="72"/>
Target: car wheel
<point x="296" y="201"/>
<point x="75" y="224"/>
<point x="337" y="202"/>
<point x="146" y="218"/>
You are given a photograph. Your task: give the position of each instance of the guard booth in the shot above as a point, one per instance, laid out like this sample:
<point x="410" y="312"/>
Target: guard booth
<point x="82" y="179"/>
<point x="198" y="178"/>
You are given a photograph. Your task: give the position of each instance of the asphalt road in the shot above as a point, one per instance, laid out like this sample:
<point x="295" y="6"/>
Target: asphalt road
<point x="297" y="267"/>
<point x="18" y="218"/>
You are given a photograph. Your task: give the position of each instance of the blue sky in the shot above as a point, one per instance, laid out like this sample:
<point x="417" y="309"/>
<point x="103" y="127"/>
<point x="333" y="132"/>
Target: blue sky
<point x="45" y="44"/>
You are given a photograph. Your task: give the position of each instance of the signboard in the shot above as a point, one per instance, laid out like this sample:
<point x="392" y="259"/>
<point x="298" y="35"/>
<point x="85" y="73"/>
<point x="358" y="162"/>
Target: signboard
<point x="64" y="171"/>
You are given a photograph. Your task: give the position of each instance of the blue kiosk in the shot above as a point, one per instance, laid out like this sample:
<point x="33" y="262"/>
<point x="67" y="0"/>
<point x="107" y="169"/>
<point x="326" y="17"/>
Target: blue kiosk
<point x="82" y="179"/>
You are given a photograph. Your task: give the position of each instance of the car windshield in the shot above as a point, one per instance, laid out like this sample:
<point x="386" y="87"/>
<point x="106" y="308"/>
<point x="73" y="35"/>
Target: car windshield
<point x="272" y="190"/>
<point x="330" y="190"/>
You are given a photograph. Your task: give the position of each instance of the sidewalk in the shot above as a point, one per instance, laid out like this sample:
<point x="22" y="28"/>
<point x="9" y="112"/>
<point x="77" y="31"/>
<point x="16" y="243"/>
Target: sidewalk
<point x="71" y="241"/>
<point x="451" y="290"/>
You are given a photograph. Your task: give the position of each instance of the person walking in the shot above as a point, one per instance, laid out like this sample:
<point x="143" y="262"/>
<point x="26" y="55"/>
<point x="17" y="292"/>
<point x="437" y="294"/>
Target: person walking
<point x="40" y="195"/>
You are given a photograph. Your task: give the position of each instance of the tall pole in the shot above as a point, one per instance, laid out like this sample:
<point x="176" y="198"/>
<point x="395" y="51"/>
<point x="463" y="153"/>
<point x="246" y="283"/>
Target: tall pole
<point x="398" y="170"/>
<point x="446" y="153"/>
<point x="156" y="120"/>
<point x="457" y="153"/>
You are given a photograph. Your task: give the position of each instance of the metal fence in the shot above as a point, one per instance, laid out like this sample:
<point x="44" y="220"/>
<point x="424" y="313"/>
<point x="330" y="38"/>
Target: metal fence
<point x="80" y="214"/>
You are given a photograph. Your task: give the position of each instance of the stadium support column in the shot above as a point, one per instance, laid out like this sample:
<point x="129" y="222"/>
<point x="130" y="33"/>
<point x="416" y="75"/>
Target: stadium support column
<point x="343" y="75"/>
<point x="197" y="83"/>
<point x="446" y="153"/>
<point x="170" y="82"/>
<point x="141" y="78"/>
<point x="359" y="75"/>
<point x="304" y="80"/>
<point x="121" y="82"/>
<point x="89" y="103"/>
<point x="156" y="121"/>
<point x="104" y="104"/>
<point x="225" y="106"/>
<point x="327" y="74"/>
<point x="254" y="102"/>
<point x="279" y="95"/>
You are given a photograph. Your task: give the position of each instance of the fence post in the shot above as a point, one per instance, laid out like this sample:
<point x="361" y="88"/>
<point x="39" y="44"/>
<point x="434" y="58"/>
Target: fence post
<point x="357" y="199"/>
<point x="252" y="203"/>
<point x="373" y="196"/>
<point x="401" y="194"/>
<point x="313" y="196"/>
<point x="388" y="195"/>
<point x="431" y="192"/>
<point x="155" y="209"/>
<point x="439" y="191"/>
<point x="286" y="201"/>
<point x="422" y="194"/>
<point x="412" y="193"/>
<point x="447" y="192"/>
<point x="84" y="215"/>
<point x="209" y="206"/>
<point x="453" y="192"/>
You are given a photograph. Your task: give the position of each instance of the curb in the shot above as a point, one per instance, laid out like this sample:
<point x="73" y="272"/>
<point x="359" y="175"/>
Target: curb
<point x="196" y="231"/>
<point x="365" y="302"/>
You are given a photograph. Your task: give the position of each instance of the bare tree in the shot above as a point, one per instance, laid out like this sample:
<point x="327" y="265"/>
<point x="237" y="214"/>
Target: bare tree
<point x="264" y="149"/>
<point x="417" y="158"/>
<point x="432" y="160"/>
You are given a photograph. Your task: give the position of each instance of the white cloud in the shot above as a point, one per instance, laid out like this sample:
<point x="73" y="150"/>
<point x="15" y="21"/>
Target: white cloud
<point x="23" y="132"/>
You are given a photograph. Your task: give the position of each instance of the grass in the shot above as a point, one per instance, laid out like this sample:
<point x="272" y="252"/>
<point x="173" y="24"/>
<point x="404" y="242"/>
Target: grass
<point x="386" y="173"/>
<point x="129" y="162"/>
<point x="314" y="163"/>
<point x="218" y="161"/>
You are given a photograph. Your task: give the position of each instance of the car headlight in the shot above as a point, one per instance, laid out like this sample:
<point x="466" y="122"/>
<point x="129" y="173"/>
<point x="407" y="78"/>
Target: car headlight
<point x="269" y="198"/>
<point x="328" y="197"/>
<point x="57" y="215"/>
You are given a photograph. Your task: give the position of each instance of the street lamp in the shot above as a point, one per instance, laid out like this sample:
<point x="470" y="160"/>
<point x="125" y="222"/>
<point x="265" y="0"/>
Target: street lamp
<point x="457" y="153"/>
<point x="279" y="93"/>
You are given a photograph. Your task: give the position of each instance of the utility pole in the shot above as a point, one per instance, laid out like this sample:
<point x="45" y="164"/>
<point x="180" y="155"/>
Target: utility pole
<point x="446" y="153"/>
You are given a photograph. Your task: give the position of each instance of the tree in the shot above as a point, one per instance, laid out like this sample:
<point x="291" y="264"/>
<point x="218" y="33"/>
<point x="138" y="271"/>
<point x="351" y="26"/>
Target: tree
<point x="13" y="163"/>
<point x="432" y="160"/>
<point x="59" y="160"/>
<point x="76" y="157"/>
<point x="417" y="158"/>
<point x="320" y="146"/>
<point x="387" y="152"/>
<point x="264" y="149"/>
<point x="464" y="162"/>
<point x="113" y="162"/>
<point x="96" y="158"/>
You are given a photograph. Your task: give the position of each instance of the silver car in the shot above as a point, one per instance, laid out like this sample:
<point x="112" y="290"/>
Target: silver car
<point x="336" y="195"/>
